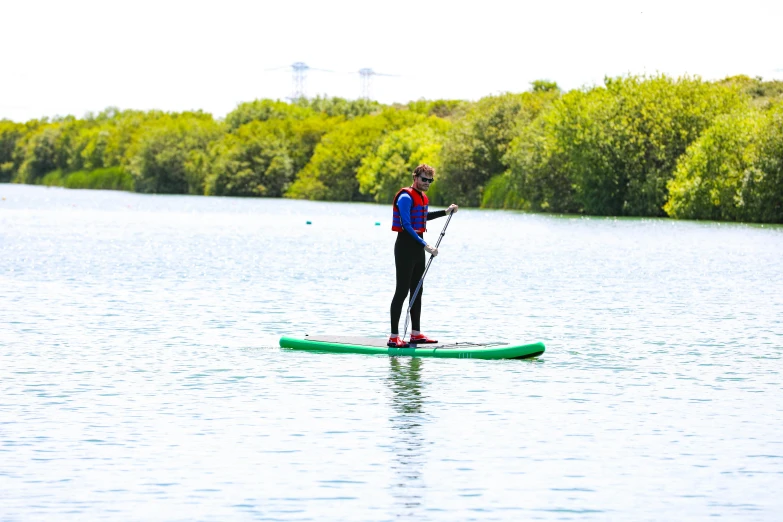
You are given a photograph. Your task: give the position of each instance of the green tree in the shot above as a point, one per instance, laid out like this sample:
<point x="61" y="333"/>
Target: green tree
<point x="123" y="131"/>
<point x="762" y="187"/>
<point x="335" y="106"/>
<point x="167" y="155"/>
<point x="389" y="167"/>
<point x="763" y="94"/>
<point x="92" y="142"/>
<point x="539" y="167"/>
<point x="10" y="134"/>
<point x="441" y="108"/>
<point x="331" y="172"/>
<point x="66" y="145"/>
<point x="474" y="147"/>
<point x="734" y="171"/>
<point x="651" y="124"/>
<point x="709" y="176"/>
<point x="41" y="153"/>
<point x="250" y="162"/>
<point x="262" y="157"/>
<point x="91" y="138"/>
<point x="263" y="110"/>
<point x="616" y="146"/>
<point x="544" y="86"/>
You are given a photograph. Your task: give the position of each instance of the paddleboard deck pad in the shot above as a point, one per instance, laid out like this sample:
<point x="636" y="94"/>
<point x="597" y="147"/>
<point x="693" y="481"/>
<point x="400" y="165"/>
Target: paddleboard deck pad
<point x="375" y="346"/>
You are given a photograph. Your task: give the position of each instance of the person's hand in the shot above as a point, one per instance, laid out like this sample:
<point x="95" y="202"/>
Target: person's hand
<point x="431" y="250"/>
<point x="452" y="209"/>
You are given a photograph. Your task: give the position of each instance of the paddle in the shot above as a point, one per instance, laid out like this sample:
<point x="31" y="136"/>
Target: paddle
<point x="421" y="281"/>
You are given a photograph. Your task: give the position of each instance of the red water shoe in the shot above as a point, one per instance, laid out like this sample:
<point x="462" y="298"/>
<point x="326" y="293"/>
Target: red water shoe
<point x="421" y="339"/>
<point x="397" y="342"/>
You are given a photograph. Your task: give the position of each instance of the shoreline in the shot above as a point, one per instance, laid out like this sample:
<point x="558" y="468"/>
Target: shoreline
<point x="668" y="219"/>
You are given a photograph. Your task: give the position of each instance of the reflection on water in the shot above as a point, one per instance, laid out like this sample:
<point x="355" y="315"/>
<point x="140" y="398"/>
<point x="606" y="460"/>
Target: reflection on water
<point x="407" y="399"/>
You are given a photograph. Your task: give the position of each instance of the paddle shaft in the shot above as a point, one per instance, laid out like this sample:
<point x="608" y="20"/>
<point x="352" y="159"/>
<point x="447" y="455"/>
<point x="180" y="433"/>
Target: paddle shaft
<point x="421" y="281"/>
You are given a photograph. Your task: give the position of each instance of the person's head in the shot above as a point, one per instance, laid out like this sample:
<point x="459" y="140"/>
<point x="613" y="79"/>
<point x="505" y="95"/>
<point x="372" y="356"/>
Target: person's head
<point x="423" y="176"/>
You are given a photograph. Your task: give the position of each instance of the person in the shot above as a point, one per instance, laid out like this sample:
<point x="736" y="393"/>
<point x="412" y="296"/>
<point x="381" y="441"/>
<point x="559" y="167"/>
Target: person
<point x="409" y="220"/>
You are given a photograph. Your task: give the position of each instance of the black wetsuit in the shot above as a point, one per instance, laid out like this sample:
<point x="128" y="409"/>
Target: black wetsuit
<point x="409" y="262"/>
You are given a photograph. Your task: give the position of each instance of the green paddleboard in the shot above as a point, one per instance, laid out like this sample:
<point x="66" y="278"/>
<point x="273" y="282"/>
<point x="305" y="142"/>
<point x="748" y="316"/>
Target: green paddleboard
<point x="374" y="346"/>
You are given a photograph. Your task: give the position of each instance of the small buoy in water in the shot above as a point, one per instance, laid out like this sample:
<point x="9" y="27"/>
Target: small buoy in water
<point x="377" y="223"/>
<point x="309" y="222"/>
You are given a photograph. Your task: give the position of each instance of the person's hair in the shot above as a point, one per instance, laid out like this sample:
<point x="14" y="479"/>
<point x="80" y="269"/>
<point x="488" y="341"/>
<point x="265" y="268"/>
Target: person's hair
<point x="424" y="170"/>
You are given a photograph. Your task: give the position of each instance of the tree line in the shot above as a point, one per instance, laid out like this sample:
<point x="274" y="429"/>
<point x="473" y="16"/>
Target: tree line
<point x="633" y="146"/>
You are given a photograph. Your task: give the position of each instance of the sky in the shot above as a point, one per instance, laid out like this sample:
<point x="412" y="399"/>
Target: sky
<point x="75" y="56"/>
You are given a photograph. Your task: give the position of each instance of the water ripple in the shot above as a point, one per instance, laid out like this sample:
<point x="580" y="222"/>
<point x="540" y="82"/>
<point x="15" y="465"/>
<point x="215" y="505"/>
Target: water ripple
<point x="141" y="379"/>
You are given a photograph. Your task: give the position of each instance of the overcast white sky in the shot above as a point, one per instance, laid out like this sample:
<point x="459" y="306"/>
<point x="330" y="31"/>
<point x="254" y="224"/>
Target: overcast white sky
<point x="73" y="56"/>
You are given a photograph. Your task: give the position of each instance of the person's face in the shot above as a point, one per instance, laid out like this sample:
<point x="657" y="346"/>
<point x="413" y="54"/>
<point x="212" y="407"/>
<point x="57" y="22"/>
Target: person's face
<point x="422" y="183"/>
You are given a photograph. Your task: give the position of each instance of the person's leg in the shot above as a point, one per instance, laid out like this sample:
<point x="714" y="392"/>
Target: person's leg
<point x="404" y="264"/>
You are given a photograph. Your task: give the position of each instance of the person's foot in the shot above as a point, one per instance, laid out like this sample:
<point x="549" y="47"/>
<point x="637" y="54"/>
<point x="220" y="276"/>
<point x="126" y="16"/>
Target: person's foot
<point x="421" y="339"/>
<point x="397" y="342"/>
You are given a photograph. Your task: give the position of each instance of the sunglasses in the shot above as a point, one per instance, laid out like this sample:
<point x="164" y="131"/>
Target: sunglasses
<point x="426" y="180"/>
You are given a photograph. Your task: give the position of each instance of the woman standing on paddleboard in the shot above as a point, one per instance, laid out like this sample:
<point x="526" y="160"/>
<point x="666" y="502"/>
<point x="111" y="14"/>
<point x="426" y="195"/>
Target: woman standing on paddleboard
<point x="410" y="222"/>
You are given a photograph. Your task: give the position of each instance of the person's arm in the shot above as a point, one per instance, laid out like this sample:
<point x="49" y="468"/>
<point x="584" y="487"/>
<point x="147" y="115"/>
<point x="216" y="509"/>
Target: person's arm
<point x="435" y="215"/>
<point x="440" y="213"/>
<point x="404" y="203"/>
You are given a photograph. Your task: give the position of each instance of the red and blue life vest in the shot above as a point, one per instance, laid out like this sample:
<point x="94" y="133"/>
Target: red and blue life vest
<point x="418" y="211"/>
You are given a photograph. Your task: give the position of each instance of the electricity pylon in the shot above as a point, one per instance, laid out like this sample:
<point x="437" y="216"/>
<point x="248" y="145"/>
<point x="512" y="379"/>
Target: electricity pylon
<point x="366" y="75"/>
<point x="299" y="78"/>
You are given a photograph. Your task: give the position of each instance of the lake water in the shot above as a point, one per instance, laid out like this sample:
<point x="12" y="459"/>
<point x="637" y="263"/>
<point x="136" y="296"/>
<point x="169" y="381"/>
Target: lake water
<point x="140" y="377"/>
